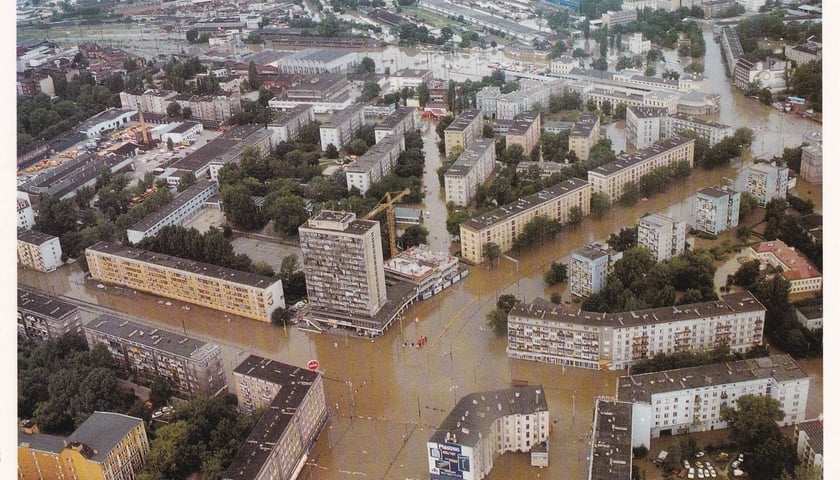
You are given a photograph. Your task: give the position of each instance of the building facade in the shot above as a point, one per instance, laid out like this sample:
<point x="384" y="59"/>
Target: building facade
<point x="191" y="367"/>
<point x="469" y="171"/>
<point x="375" y="164"/>
<point x="241" y="293"/>
<point x="677" y="124"/>
<point x="664" y="236"/>
<point x="811" y="167"/>
<point x="687" y="400"/>
<point x="106" y="446"/>
<point x="463" y="130"/>
<point x="808" y="436"/>
<point x="585" y="134"/>
<point x="25" y="213"/>
<point x="343" y="264"/>
<point x="295" y="413"/>
<point x="180" y="209"/>
<point x="611" y="178"/>
<point x="38" y="251"/>
<point x="400" y="122"/>
<point x="637" y="45"/>
<point x="764" y="181"/>
<point x="342" y="127"/>
<point x="589" y="267"/>
<point x="41" y="317"/>
<point x="644" y="125"/>
<point x="502" y="225"/>
<point x="484" y="425"/>
<point x="796" y="269"/>
<point x="524" y="131"/>
<point x="716" y="209"/>
<point x="614" y="341"/>
<point x="287" y="128"/>
<point x="810" y="316"/>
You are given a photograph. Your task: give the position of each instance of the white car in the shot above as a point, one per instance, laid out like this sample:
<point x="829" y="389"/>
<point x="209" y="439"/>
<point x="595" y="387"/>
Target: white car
<point x="690" y="473"/>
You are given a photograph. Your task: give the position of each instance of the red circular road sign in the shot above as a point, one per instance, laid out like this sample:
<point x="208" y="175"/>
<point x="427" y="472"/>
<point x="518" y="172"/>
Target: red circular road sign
<point x="312" y="365"/>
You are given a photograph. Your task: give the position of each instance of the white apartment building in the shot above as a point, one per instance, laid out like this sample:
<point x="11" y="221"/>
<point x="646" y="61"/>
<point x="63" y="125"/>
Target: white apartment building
<point x="484" y="425"/>
<point x="150" y="101"/>
<point x="463" y="130"/>
<point x="502" y="225"/>
<point x="524" y="131"/>
<point x="637" y="45"/>
<point x="585" y="134"/>
<point x="568" y="336"/>
<point x="378" y="162"/>
<point x="811" y="169"/>
<point x="38" y="251"/>
<point x="611" y="178"/>
<point x="342" y="127"/>
<point x="469" y="171"/>
<point x="751" y="5"/>
<point x="342" y="261"/>
<point x="644" y="125"/>
<point x="180" y="209"/>
<point x="486" y="100"/>
<point x="662" y="235"/>
<point x="563" y="65"/>
<point x="589" y="267"/>
<point x="808" y="436"/>
<point x="687" y="400"/>
<point x="764" y="181"/>
<point x="400" y="122"/>
<point x="716" y="209"/>
<point x="677" y="123"/>
<point x="408" y="77"/>
<point x="241" y="293"/>
<point x="509" y="105"/>
<point x="287" y="128"/>
<point x="811" y="316"/>
<point x="25" y="213"/>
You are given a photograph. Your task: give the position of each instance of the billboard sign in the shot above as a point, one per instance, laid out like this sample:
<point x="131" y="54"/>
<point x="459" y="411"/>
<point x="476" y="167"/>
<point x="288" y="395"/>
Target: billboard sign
<point x="447" y="460"/>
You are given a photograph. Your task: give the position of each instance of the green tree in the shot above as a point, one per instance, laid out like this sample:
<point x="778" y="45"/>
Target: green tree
<point x="187" y="180"/>
<point x="423" y="95"/>
<point x="56" y="217"/>
<point x="239" y="208"/>
<point x="357" y="147"/>
<point x="454" y="221"/>
<point x="600" y="204"/>
<point x="367" y="65"/>
<point x="556" y="273"/>
<point x="253" y="76"/>
<point x="575" y="215"/>
<point x="159" y="392"/>
<point x="370" y="91"/>
<point x="497" y="319"/>
<point x="281" y="316"/>
<point x="506" y="302"/>
<point x="413" y="236"/>
<point x="331" y="151"/>
<point x="492" y="251"/>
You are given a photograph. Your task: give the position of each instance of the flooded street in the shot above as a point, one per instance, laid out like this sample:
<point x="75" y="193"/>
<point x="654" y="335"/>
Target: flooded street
<point x="386" y="397"/>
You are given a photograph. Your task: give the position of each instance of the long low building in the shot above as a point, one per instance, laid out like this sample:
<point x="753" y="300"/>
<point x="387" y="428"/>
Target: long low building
<point x="610" y="179"/>
<point x="486" y="424"/>
<point x="502" y="225"/>
<point x="378" y="162"/>
<point x="190" y="366"/>
<point x="241" y="293"/>
<point x="181" y="208"/>
<point x="687" y="400"/>
<point x="547" y="333"/>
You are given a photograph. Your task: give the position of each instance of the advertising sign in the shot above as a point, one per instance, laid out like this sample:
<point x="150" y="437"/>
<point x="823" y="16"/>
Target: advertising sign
<point x="449" y="462"/>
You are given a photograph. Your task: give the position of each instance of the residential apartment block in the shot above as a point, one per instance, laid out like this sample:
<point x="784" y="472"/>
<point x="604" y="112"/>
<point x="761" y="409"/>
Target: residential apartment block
<point x="764" y="181"/>
<point x="469" y="171"/>
<point x="769" y="73"/>
<point x="552" y="334"/>
<point x="287" y="128"/>
<point x="644" y="125"/>
<point x="585" y="134"/>
<point x="524" y="131"/>
<point x="504" y="224"/>
<point x="41" y="317"/>
<point x="687" y="400"/>
<point x="510" y="105"/>
<point x="375" y="164"/>
<point x="400" y="122"/>
<point x="484" y="425"/>
<point x="716" y="209"/>
<point x="25" y="213"/>
<point x="664" y="236"/>
<point x="228" y="147"/>
<point x="180" y="209"/>
<point x="811" y="169"/>
<point x="637" y="45"/>
<point x="810" y="316"/>
<point x="611" y="19"/>
<point x="241" y="293"/>
<point x="38" y="251"/>
<point x="408" y="77"/>
<point x="342" y="127"/>
<point x="463" y="130"/>
<point x="106" y="446"/>
<point x="612" y="441"/>
<point x="677" y="124"/>
<point x="589" y="267"/>
<point x="563" y="64"/>
<point x="295" y="413"/>
<point x="611" y="178"/>
<point x="808" y="436"/>
<point x="342" y="261"/>
<point x="192" y="367"/>
<point x="796" y="268"/>
<point x="325" y="92"/>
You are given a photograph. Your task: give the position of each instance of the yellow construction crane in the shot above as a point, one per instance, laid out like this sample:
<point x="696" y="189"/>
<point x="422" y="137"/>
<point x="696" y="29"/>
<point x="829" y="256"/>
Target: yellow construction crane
<point x="387" y="203"/>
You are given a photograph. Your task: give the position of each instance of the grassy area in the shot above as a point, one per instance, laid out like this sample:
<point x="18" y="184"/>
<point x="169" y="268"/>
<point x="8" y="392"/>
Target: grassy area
<point x="429" y="18"/>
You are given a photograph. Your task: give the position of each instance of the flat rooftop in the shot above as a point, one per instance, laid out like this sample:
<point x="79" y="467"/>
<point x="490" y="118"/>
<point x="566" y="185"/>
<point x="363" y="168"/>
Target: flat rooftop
<point x="640" y="388"/>
<point x="475" y="413"/>
<point x="584" y="126"/>
<point x="44" y="305"/>
<point x="340" y="117"/>
<point x="625" y="161"/>
<point x="463" y="120"/>
<point x="394" y="119"/>
<point x="153" y="338"/>
<point x="727" y="305"/>
<point x="191" y="266"/>
<point x="648" y="112"/>
<point x="513" y="209"/>
<point x="612" y="449"/>
<point x="521" y="125"/>
<point x="177" y="203"/>
<point x="468" y="158"/>
<point x="594" y="251"/>
<point x="33" y="237"/>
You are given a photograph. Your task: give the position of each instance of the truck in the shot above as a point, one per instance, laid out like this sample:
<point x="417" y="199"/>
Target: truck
<point x="660" y="459"/>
